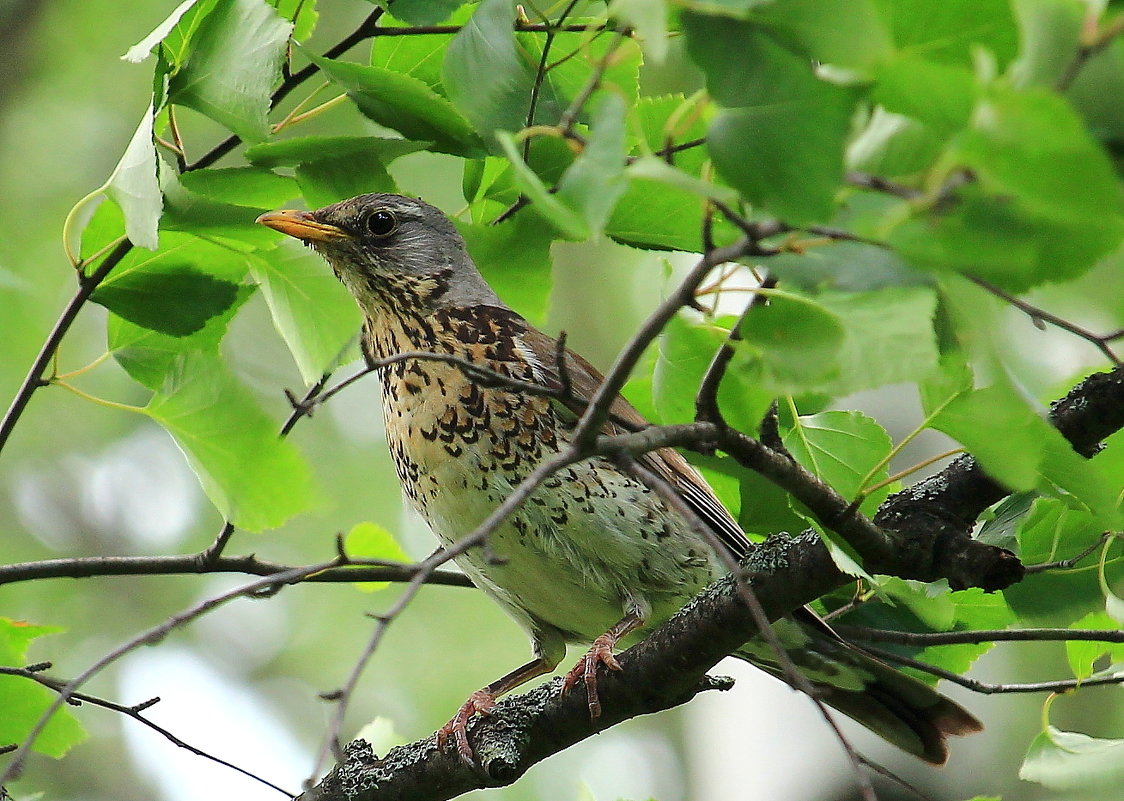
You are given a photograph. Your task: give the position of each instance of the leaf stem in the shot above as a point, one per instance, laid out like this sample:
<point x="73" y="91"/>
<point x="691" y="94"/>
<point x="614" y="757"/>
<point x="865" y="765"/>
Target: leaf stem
<point x="124" y="407"/>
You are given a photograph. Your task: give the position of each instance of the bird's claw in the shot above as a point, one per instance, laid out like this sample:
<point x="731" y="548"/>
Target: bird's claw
<point x="601" y="653"/>
<point x="482" y="702"/>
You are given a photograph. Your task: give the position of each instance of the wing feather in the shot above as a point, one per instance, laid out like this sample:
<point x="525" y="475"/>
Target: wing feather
<point x="667" y="463"/>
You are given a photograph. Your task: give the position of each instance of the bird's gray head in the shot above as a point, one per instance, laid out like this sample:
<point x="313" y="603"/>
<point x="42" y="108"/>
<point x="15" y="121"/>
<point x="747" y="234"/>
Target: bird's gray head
<point x="391" y="251"/>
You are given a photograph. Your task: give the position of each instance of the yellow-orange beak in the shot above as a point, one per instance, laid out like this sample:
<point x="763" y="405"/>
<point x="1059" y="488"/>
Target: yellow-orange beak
<point x="301" y="225"/>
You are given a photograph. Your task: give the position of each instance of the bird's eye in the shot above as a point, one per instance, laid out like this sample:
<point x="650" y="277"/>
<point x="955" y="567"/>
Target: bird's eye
<point x="382" y="224"/>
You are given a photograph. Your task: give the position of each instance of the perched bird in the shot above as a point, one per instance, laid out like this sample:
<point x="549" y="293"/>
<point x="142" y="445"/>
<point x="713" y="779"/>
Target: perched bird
<point x="594" y="554"/>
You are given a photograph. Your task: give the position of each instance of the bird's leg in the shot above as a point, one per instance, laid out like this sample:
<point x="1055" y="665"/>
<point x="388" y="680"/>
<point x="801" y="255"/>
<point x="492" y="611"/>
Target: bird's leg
<point x="484" y="701"/>
<point x="601" y="653"/>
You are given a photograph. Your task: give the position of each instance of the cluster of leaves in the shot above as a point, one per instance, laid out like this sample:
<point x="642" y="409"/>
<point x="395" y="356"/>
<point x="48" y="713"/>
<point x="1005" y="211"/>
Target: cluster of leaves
<point x="918" y="155"/>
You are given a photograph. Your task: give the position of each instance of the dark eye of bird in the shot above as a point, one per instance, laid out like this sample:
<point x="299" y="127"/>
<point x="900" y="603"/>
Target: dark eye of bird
<point x="381" y="224"/>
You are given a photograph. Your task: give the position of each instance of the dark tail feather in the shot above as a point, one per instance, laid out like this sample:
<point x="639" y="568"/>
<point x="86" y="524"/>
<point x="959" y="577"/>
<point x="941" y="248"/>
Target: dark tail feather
<point x="901" y="709"/>
<point x="906" y="712"/>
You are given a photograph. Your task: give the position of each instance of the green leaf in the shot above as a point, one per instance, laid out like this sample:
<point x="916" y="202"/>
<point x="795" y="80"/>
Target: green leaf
<point x="1051" y="34"/>
<point x="773" y="99"/>
<point x="894" y="145"/>
<point x="940" y="95"/>
<point x="311" y="310"/>
<point x="568" y="222"/>
<point x="417" y="56"/>
<point x="1045" y="204"/>
<point x="134" y="187"/>
<point x="424" y="12"/>
<point x="178" y="42"/>
<point x="143" y="49"/>
<point x="254" y="478"/>
<point x="686" y="349"/>
<point x="223" y="223"/>
<point x="950" y="31"/>
<point x="593" y="184"/>
<point x="330" y="180"/>
<point x="842" y="449"/>
<point x="1069" y="760"/>
<point x="659" y="171"/>
<point x="1023" y="451"/>
<point x="404" y="104"/>
<point x="848" y="267"/>
<point x="856" y="37"/>
<point x="514" y="258"/>
<point x="1031" y="145"/>
<point x="302" y="13"/>
<point x="931" y="603"/>
<point x="1083" y="653"/>
<point x="483" y="72"/>
<point x="792" y="344"/>
<point x="310" y="149"/>
<point x="235" y="61"/>
<point x="176" y="300"/>
<point x="1051" y="532"/>
<point x="149" y="356"/>
<point x="24" y="702"/>
<point x="372" y="541"/>
<point x="241" y="186"/>
<point x="648" y="19"/>
<point x="888" y="337"/>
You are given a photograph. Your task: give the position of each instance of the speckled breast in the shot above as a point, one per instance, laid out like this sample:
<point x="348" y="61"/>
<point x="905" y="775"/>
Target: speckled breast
<point x="450" y="436"/>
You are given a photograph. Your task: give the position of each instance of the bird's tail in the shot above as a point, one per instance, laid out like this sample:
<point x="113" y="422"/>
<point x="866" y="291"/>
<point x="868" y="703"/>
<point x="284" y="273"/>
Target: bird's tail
<point x="899" y="708"/>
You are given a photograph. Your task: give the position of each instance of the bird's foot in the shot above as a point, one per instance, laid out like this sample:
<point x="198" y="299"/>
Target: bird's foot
<point x="601" y="653"/>
<point x="481" y="701"/>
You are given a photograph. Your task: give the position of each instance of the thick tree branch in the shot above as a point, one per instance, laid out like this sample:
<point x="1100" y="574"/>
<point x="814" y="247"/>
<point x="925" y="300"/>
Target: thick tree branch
<point x="667" y="669"/>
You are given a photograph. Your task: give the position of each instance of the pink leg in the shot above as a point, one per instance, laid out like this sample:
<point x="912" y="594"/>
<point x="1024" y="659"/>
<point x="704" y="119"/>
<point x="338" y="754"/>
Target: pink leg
<point x="484" y="701"/>
<point x="601" y="653"/>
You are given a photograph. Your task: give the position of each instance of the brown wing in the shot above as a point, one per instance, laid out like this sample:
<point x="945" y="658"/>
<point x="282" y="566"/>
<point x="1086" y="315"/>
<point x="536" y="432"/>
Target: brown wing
<point x="667" y="463"/>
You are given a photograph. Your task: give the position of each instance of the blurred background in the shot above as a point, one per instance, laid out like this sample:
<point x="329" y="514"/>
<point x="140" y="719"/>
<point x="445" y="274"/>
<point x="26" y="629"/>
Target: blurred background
<point x="242" y="683"/>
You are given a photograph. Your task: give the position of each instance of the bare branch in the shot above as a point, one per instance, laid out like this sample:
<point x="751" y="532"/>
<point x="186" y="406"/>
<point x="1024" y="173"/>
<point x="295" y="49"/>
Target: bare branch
<point x="1041" y="316"/>
<point x="924" y="639"/>
<point x="148" y="637"/>
<point x="194" y="564"/>
<point x="989" y="688"/>
<point x="33" y="672"/>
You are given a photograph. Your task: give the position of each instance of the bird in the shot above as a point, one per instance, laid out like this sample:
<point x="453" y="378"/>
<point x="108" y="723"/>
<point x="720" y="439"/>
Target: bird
<point x="593" y="555"/>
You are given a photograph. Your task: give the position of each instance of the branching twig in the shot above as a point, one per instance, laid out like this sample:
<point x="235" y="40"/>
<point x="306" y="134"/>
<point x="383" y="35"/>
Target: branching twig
<point x="928" y="638"/>
<point x="191" y="564"/>
<point x="135" y="711"/>
<point x="1041" y="316"/>
<point x="989" y="688"/>
<point x="1073" y="561"/>
<point x="148" y="637"/>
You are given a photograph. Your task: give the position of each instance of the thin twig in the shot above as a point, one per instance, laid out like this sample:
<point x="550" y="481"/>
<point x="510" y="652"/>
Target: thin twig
<point x="149" y="637"/>
<point x="1096" y="43"/>
<point x="191" y="564"/>
<point x="34" y="378"/>
<point x="1073" y="561"/>
<point x="596" y="413"/>
<point x="928" y="638"/>
<point x="135" y="712"/>
<point x="989" y="688"/>
<point x="706" y="399"/>
<point x="1039" y="316"/>
<point x="877" y="183"/>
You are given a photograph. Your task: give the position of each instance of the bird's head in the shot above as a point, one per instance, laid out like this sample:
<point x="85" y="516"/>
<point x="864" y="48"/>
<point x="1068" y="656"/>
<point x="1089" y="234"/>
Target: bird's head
<point x="391" y="251"/>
